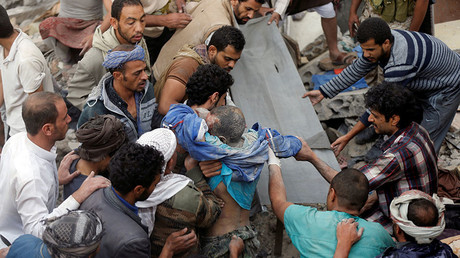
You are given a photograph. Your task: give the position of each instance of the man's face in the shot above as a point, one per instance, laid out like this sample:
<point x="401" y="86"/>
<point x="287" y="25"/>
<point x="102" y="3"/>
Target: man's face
<point x="62" y="121"/>
<point x="225" y="59"/>
<point x="131" y="25"/>
<point x="375" y="52"/>
<point x="380" y="124"/>
<point x="148" y="191"/>
<point x="134" y="77"/>
<point x="244" y="11"/>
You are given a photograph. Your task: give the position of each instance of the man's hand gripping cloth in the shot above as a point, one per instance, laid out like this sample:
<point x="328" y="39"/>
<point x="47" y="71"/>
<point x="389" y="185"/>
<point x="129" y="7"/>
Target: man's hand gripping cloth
<point x="246" y="163"/>
<point x="398" y="211"/>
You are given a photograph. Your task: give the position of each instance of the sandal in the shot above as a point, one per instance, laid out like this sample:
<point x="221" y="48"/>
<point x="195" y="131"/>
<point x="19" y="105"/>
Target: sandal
<point x="327" y="64"/>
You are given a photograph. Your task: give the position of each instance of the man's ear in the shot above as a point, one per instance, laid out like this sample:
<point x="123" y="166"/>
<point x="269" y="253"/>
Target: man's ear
<point x="138" y="191"/>
<point x="234" y="3"/>
<point x="48" y="129"/>
<point x="114" y="23"/>
<point x="212" y="51"/>
<point x="332" y="194"/>
<point x="395" y="120"/>
<point x="117" y="75"/>
<point x="223" y="139"/>
<point x="214" y="97"/>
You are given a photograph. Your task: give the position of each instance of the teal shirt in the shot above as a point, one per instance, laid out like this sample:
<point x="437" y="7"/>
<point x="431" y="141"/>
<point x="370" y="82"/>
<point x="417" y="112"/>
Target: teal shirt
<point x="313" y="233"/>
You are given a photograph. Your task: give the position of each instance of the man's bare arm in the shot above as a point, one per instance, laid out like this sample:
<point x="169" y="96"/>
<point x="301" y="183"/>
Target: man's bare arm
<point x="173" y="92"/>
<point x="421" y="7"/>
<point x="306" y="154"/>
<point x="338" y="145"/>
<point x="353" y="17"/>
<point x="276" y="188"/>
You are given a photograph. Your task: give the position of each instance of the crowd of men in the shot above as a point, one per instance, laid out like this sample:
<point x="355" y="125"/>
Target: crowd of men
<point x="167" y="165"/>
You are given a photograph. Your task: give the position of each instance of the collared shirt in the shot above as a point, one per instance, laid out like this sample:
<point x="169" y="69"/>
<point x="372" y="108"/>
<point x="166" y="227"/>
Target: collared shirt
<point x="23" y="71"/>
<point x="408" y="162"/>
<point x="28" y="188"/>
<point x="127" y="204"/>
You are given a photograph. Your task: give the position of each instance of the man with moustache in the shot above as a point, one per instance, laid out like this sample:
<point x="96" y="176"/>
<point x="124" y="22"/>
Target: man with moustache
<point x="224" y="49"/>
<point x="408" y="160"/>
<point x="124" y="92"/>
<point x="420" y="62"/>
<point x="208" y="16"/>
<point x="127" y="27"/>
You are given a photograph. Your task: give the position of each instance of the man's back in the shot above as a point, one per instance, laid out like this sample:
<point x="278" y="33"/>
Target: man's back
<point x="124" y="234"/>
<point x="313" y="233"/>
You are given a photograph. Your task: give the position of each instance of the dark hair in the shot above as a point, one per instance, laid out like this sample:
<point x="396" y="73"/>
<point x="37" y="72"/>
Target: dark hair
<point x="258" y="1"/>
<point x="231" y="123"/>
<point x="6" y="28"/>
<point x="352" y="188"/>
<point x="122" y="47"/>
<point x="423" y="213"/>
<point x="207" y="79"/>
<point x="39" y="109"/>
<point x="374" y="28"/>
<point x="393" y="99"/>
<point x="134" y="164"/>
<point x="117" y="7"/>
<point x="227" y="35"/>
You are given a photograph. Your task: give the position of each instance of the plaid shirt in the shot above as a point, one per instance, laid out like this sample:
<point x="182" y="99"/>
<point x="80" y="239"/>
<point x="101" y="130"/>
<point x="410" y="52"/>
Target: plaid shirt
<point x="408" y="162"/>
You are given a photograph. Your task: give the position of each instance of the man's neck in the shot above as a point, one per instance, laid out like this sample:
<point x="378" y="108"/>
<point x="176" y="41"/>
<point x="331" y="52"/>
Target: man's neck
<point x="351" y="212"/>
<point x="129" y="197"/>
<point x="123" y="92"/>
<point x="85" y="167"/>
<point x="41" y="141"/>
<point x="7" y="43"/>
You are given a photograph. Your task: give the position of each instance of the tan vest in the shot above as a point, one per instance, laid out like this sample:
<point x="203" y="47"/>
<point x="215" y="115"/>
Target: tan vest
<point x="207" y="17"/>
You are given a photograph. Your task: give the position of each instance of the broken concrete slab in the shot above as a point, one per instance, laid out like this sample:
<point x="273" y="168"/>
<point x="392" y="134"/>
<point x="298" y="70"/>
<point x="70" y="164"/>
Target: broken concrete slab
<point x="346" y="104"/>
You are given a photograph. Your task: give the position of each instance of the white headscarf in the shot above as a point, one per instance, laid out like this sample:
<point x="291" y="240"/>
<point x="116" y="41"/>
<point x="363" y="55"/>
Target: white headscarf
<point x="164" y="140"/>
<point x="398" y="210"/>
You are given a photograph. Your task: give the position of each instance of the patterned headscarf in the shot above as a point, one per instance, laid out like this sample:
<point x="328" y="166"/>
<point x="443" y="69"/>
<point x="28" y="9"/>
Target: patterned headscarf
<point x="76" y="234"/>
<point x="100" y="136"/>
<point x="399" y="208"/>
<point x="162" y="139"/>
<point x="115" y="59"/>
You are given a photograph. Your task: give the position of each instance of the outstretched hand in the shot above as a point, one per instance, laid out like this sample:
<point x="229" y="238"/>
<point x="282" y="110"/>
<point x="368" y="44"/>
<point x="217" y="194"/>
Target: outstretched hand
<point x="315" y="96"/>
<point x="305" y="153"/>
<point x="64" y="175"/>
<point x="338" y="145"/>
<point x="178" y="20"/>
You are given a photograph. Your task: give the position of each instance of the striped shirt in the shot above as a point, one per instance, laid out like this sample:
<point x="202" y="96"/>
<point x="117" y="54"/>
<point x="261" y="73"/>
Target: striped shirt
<point x="408" y="162"/>
<point x="419" y="61"/>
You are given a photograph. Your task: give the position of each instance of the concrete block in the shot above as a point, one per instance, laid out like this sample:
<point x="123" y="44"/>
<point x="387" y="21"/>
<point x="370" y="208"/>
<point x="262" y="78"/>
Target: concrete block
<point x="346" y="104"/>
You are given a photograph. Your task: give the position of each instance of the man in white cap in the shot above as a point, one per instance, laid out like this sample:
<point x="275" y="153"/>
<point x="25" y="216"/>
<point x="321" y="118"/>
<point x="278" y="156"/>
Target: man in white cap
<point x="417" y="220"/>
<point x="179" y="204"/>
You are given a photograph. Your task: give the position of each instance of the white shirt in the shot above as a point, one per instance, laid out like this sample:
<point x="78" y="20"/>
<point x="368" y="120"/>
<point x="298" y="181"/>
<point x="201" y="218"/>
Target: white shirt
<point x="23" y="71"/>
<point x="280" y="6"/>
<point x="28" y="188"/>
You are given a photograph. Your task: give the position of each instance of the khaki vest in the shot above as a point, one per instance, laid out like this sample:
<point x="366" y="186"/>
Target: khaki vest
<point x="393" y="10"/>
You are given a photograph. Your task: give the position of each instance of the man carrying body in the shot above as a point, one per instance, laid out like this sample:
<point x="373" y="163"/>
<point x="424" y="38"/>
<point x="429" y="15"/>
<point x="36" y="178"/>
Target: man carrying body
<point x="125" y="92"/>
<point x="134" y="172"/>
<point x="28" y="174"/>
<point x="418" y="219"/>
<point x="23" y="71"/>
<point x="127" y="27"/>
<point x="313" y="232"/>
<point x="408" y="160"/>
<point x="208" y="16"/>
<point x="419" y="62"/>
<point x="179" y="201"/>
<point x="224" y="49"/>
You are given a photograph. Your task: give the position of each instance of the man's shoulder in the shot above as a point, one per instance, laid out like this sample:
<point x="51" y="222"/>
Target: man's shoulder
<point x="187" y="199"/>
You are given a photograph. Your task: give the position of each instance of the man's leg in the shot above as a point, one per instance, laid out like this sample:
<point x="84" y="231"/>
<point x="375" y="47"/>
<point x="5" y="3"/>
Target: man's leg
<point x="329" y="25"/>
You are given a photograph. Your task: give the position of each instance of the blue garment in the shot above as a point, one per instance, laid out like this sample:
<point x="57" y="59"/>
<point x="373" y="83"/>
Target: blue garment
<point x="75" y="184"/>
<point x="313" y="233"/>
<point x="127" y="204"/>
<point x="115" y="59"/>
<point x="246" y="163"/>
<point x="435" y="249"/>
<point x="28" y="246"/>
<point x="320" y="79"/>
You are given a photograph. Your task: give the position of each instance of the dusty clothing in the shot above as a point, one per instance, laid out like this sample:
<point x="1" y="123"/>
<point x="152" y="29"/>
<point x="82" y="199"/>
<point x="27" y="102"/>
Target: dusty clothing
<point x="208" y="16"/>
<point x="194" y="207"/>
<point x="81" y="9"/>
<point x="68" y="31"/>
<point x="90" y="70"/>
<point x="435" y="249"/>
<point x="217" y="246"/>
<point x="118" y="220"/>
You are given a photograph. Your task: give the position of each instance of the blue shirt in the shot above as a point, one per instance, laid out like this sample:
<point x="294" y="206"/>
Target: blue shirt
<point x="313" y="233"/>
<point x="27" y="246"/>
